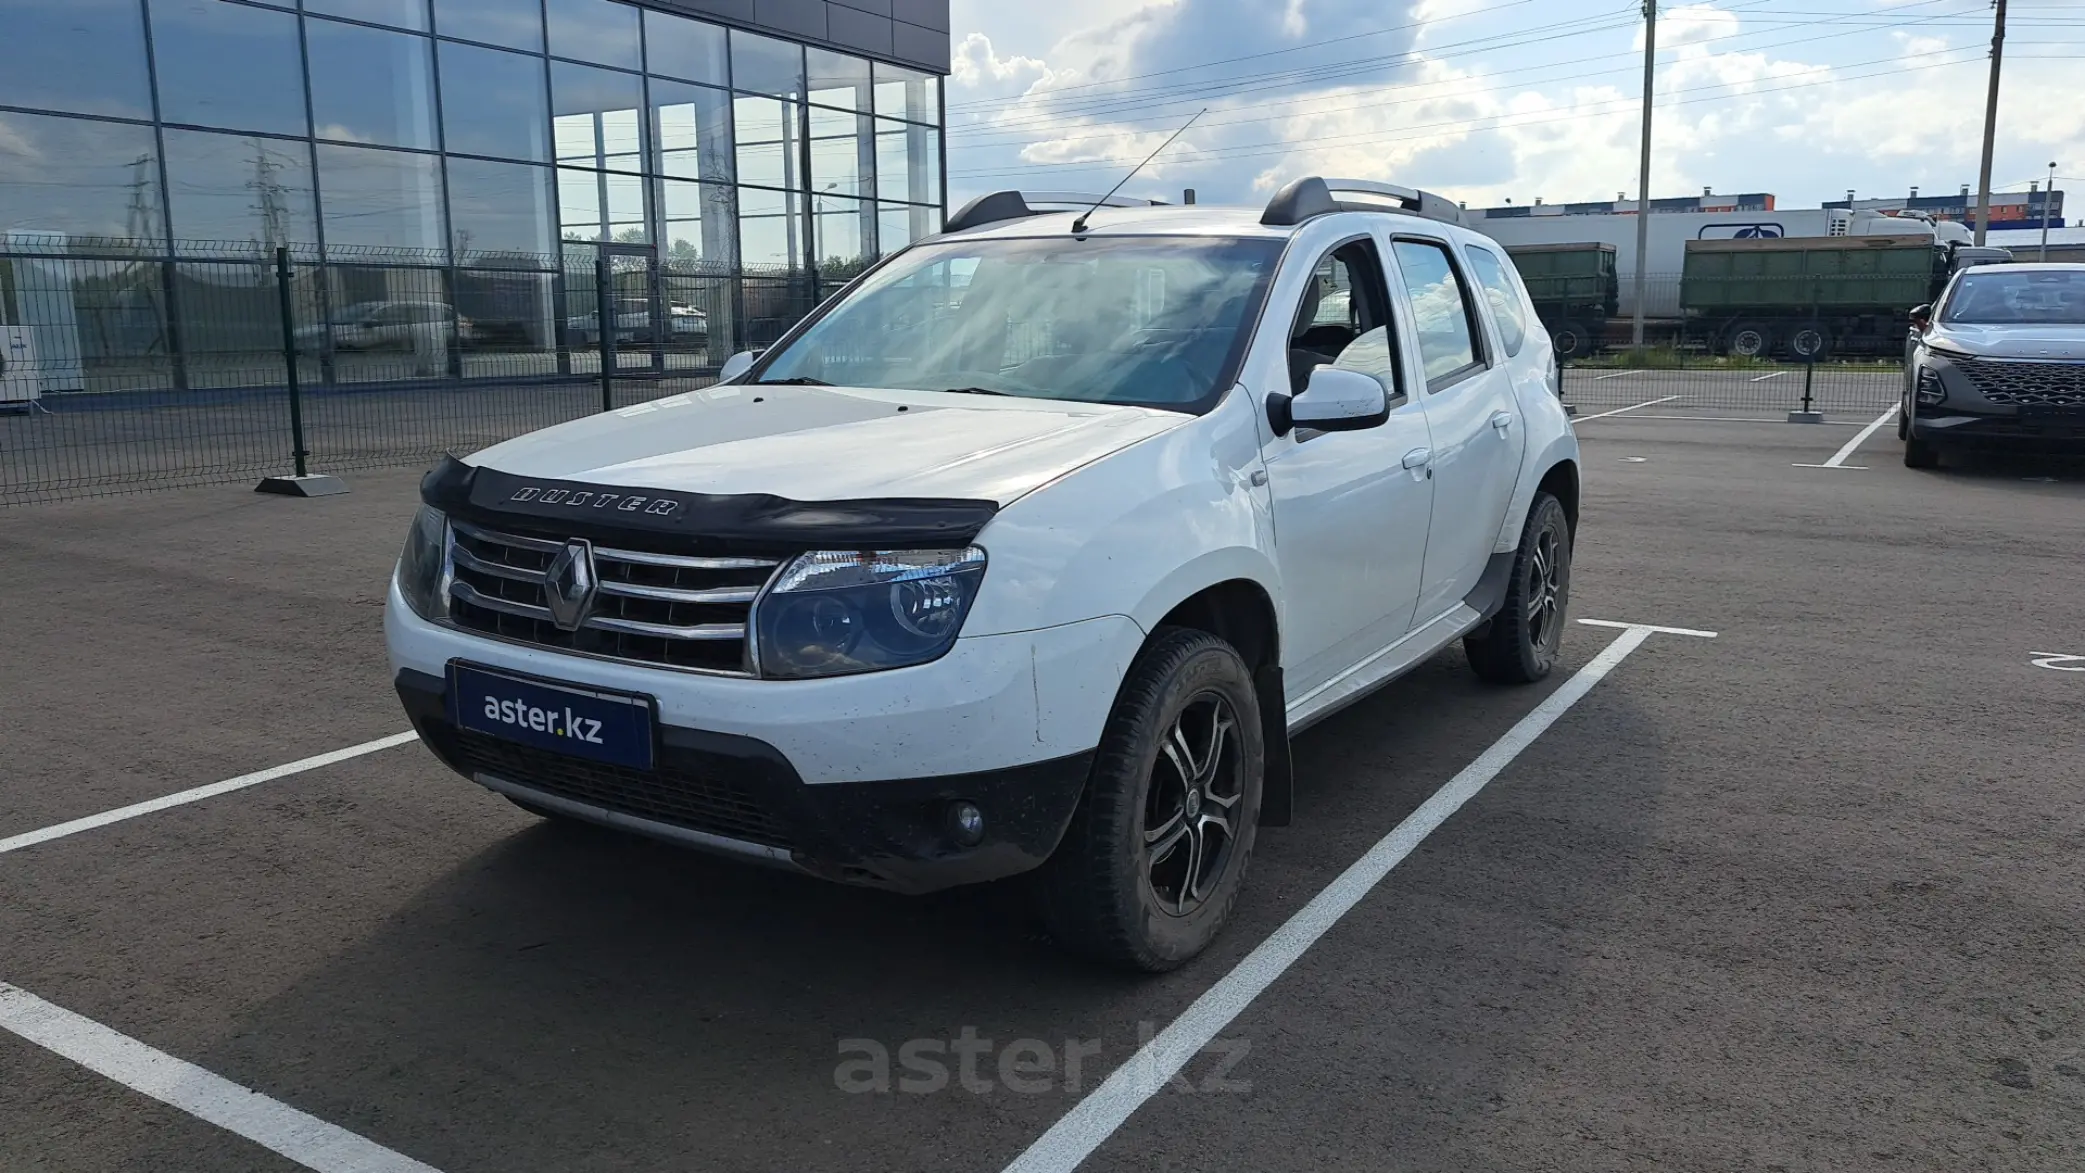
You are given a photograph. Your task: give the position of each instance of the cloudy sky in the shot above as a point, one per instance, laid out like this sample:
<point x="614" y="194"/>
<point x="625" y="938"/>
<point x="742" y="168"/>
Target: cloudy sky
<point x="1498" y="100"/>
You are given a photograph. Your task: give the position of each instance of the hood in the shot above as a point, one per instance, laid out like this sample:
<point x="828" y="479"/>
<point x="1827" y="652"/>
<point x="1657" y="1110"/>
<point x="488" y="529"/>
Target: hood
<point x="831" y="443"/>
<point x="2022" y="341"/>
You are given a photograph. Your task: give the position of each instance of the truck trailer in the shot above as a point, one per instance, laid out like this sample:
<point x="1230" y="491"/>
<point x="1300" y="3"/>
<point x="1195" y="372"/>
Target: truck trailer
<point x="1806" y="298"/>
<point x="1574" y="289"/>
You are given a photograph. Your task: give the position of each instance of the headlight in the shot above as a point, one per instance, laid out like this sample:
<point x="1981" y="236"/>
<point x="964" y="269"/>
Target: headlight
<point x="421" y="567"/>
<point x="836" y="613"/>
<point x="1930" y="389"/>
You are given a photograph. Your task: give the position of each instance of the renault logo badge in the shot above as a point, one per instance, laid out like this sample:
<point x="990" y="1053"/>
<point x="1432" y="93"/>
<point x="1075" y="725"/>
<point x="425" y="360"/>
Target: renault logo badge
<point x="568" y="586"/>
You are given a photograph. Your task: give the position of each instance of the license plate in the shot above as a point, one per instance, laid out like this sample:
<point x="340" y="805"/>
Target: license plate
<point x="2053" y="418"/>
<point x="612" y="727"/>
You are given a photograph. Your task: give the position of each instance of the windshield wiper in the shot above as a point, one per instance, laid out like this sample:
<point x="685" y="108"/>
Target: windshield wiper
<point x="792" y="381"/>
<point x="972" y="391"/>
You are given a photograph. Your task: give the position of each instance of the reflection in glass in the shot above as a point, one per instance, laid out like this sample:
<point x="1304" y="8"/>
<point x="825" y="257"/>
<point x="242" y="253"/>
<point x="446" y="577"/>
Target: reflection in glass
<point x="697" y="219"/>
<point x="601" y="205"/>
<point x="845" y="228"/>
<point x="908" y="94"/>
<point x="97" y="179"/>
<point x="85" y="56"/>
<point x="898" y="225"/>
<point x="493" y="103"/>
<point x="228" y="65"/>
<point x="230" y="323"/>
<point x="405" y="14"/>
<point x="594" y="117"/>
<point x="843" y="152"/>
<point x="496" y="22"/>
<point x="908" y="162"/>
<point x="504" y="310"/>
<point x="499" y="209"/>
<point x="370" y="86"/>
<point x="837" y="80"/>
<point x="224" y="187"/>
<point x="691" y="132"/>
<point x="402" y="313"/>
<point x="594" y="30"/>
<point x="768" y="139"/>
<point x="378" y="198"/>
<point x="678" y="47"/>
<point x="770" y="227"/>
<point x="766" y="66"/>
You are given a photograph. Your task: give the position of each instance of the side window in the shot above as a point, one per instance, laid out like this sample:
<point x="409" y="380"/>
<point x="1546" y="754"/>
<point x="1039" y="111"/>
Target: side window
<point x="1344" y="320"/>
<point x="1441" y="308"/>
<point x="1504" y="296"/>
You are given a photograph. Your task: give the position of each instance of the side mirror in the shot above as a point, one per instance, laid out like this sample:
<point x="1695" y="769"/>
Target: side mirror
<point x="736" y="366"/>
<point x="1921" y="317"/>
<point x="1340" y="401"/>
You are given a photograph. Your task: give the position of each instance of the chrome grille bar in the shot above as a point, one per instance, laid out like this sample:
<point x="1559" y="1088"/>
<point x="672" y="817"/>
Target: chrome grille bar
<point x="470" y="561"/>
<point x="718" y="595"/>
<point x="681" y="561"/>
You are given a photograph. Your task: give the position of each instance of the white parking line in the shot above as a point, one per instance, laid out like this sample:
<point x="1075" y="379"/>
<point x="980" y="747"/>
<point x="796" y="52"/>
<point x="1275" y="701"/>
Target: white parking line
<point x="1074" y="1137"/>
<point x="1632" y="407"/>
<point x="1615" y="375"/>
<point x="32" y="838"/>
<point x="1838" y="459"/>
<point x="1764" y="378"/>
<point x="274" y="1125"/>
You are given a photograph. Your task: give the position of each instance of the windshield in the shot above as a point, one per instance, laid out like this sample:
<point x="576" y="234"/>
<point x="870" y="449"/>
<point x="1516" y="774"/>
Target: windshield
<point x="1153" y="321"/>
<point x="1995" y="297"/>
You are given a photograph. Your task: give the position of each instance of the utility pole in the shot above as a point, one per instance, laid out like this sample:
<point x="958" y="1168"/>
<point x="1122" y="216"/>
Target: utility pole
<point x="1643" y="178"/>
<point x="1983" y="197"/>
<point x="2048" y="198"/>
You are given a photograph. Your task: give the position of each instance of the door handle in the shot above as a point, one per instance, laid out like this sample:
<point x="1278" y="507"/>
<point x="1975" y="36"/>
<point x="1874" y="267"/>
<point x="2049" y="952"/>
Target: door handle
<point x="1418" y="458"/>
<point x="1502" y="420"/>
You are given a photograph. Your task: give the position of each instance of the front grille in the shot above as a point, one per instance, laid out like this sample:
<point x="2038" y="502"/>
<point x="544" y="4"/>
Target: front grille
<point x="667" y="795"/>
<point x="673" y="610"/>
<point x="2026" y="384"/>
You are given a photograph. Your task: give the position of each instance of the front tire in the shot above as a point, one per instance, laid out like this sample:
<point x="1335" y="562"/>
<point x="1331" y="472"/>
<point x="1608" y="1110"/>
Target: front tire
<point x="1920" y="453"/>
<point x="1519" y="645"/>
<point x="1154" y="859"/>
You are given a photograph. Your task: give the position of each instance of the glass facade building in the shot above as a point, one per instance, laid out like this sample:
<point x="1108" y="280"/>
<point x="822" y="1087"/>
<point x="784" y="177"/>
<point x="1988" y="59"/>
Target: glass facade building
<point x="476" y="153"/>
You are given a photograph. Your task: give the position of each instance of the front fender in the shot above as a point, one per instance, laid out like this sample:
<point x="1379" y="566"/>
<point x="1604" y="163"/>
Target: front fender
<point x="1551" y="441"/>
<point x="1132" y="533"/>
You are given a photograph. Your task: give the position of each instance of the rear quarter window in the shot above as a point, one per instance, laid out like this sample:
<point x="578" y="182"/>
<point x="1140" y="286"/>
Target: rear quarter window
<point x="1502" y="294"/>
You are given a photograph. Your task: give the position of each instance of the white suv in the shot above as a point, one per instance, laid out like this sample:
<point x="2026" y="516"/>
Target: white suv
<point x="1028" y="552"/>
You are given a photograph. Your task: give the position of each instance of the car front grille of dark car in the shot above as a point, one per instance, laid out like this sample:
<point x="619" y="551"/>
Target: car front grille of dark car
<point x="670" y="610"/>
<point x="2024" y="383"/>
<point x="669" y="794"/>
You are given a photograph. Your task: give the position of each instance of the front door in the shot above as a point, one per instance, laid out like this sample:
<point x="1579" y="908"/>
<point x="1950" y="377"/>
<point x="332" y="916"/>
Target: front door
<point x="1351" y="509"/>
<point x="1477" y="433"/>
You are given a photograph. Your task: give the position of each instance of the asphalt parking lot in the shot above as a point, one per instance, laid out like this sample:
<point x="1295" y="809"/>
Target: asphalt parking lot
<point x="1802" y="896"/>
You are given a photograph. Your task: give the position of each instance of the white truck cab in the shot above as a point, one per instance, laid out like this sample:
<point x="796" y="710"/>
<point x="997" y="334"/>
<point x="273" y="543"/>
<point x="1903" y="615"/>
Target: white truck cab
<point x="1027" y="552"/>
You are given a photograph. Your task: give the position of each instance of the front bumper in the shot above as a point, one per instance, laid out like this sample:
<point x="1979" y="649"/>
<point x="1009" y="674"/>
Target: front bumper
<point x="739" y="796"/>
<point x="2052" y="433"/>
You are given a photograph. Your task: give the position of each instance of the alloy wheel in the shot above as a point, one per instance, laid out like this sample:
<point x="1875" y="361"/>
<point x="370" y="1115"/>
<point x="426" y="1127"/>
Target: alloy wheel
<point x="1190" y="814"/>
<point x="1545" y="589"/>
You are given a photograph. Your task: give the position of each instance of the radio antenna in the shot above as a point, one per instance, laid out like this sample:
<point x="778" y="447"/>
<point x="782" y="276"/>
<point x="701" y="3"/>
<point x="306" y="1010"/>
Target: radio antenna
<point x="1078" y="226"/>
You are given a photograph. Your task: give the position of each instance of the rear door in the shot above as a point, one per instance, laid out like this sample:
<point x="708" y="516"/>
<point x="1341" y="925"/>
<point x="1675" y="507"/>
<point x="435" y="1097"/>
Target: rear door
<point x="1478" y="436"/>
<point x="1351" y="509"/>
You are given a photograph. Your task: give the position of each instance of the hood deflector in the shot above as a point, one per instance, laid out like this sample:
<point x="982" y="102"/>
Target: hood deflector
<point x="666" y="521"/>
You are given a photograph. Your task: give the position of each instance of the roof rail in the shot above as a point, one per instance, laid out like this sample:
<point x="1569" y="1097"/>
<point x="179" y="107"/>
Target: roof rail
<point x="1019" y="205"/>
<point x="1311" y="197"/>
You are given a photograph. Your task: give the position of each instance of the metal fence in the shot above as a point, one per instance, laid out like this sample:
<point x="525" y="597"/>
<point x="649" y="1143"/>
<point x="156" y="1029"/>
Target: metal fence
<point x="1670" y="381"/>
<point x="123" y="371"/>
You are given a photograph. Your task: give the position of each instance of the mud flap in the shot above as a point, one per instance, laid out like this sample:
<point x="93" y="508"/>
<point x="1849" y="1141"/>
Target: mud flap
<point x="1277" y="790"/>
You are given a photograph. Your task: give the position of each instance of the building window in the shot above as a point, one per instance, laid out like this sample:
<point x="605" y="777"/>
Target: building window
<point x="843" y="152"/>
<point x="845" y="236"/>
<point x="595" y="120"/>
<point x="601" y="206"/>
<point x="404" y="14"/>
<point x="81" y="56"/>
<point x="374" y="198"/>
<point x="500" y="211"/>
<point x="370" y="86"/>
<point x="770" y="228"/>
<point x="907" y="94"/>
<point x="898" y="225"/>
<point x="697" y="222"/>
<point x="495" y="22"/>
<point x="691" y="132"/>
<point x="764" y="65"/>
<point x="767" y="134"/>
<point x="228" y="65"/>
<point x="687" y="49"/>
<point x="494" y="103"/>
<point x="837" y="80"/>
<point x="226" y="187"/>
<point x="908" y="162"/>
<point x="93" y="179"/>
<point x="599" y="31"/>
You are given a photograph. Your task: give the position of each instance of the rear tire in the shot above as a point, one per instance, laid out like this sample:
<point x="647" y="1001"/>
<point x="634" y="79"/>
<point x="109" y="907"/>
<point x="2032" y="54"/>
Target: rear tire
<point x="1519" y="645"/>
<point x="1749" y="340"/>
<point x="1572" y="340"/>
<point x="1154" y="859"/>
<point x="1809" y="344"/>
